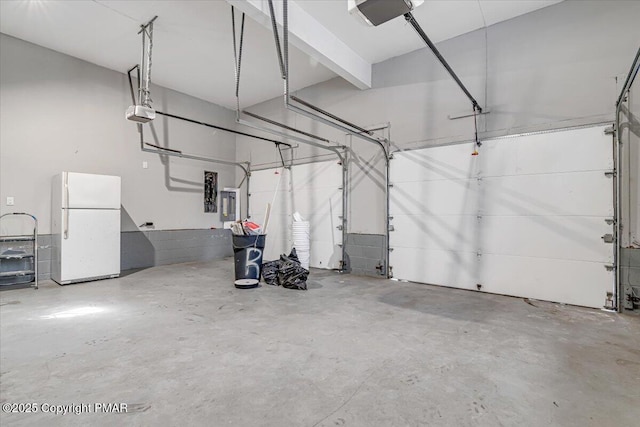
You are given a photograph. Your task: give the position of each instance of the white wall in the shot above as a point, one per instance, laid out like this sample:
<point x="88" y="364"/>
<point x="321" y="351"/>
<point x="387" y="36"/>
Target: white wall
<point x="552" y="68"/>
<point x="60" y="113"/>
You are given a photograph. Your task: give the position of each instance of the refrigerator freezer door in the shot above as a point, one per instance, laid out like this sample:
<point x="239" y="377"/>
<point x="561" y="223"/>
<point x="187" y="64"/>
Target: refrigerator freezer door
<point x="92" y="248"/>
<point x="88" y="191"/>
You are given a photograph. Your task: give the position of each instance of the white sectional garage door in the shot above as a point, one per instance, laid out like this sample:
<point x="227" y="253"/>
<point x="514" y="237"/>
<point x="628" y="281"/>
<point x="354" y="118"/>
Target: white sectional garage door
<point x="312" y="189"/>
<point x="525" y="218"/>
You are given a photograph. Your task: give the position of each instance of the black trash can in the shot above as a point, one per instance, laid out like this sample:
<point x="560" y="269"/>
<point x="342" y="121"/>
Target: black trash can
<point x="247" y="254"/>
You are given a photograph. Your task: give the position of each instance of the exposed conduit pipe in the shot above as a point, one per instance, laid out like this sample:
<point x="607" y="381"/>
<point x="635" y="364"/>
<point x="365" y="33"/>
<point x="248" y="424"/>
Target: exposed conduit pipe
<point x="633" y="72"/>
<point x="237" y="55"/>
<point x="163" y="151"/>
<point x="177" y="153"/>
<point x="338" y="150"/>
<point x="341" y="125"/>
<point x="273" y="141"/>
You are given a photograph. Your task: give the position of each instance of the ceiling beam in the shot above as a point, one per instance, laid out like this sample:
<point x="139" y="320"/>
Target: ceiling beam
<point x="312" y="38"/>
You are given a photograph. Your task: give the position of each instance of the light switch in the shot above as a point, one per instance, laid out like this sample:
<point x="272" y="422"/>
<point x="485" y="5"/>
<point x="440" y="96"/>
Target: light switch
<point x="10" y="201"/>
<point x="145" y="165"/>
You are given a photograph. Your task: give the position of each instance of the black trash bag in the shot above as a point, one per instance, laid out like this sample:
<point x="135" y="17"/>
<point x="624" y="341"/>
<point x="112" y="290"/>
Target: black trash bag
<point x="270" y="272"/>
<point x="291" y="274"/>
<point x="293" y="256"/>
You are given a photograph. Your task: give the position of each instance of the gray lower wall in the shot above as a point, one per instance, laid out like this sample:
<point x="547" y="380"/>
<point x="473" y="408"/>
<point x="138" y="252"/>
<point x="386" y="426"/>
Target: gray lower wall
<point x="630" y="274"/>
<point x="365" y="252"/>
<point x="142" y="249"/>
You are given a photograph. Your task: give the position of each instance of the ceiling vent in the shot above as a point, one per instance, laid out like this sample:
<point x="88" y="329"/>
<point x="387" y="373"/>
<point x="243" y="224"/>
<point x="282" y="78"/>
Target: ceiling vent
<point x="376" y="12"/>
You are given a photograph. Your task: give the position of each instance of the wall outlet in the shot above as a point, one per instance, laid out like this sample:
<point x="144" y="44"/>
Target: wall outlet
<point x="145" y="165"/>
<point x="10" y="201"/>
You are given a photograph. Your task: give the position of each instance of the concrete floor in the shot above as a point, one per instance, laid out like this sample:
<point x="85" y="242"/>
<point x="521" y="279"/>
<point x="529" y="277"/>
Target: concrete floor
<point x="181" y="346"/>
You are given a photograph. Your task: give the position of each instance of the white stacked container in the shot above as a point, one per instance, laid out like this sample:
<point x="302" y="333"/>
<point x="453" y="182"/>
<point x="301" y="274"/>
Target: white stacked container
<point x="301" y="237"/>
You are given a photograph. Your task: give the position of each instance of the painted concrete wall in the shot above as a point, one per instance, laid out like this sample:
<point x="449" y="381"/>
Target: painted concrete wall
<point x="60" y="113"/>
<point x="556" y="67"/>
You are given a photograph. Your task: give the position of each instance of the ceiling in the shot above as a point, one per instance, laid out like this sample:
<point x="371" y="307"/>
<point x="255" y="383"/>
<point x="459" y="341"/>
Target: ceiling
<point x="193" y="52"/>
<point x="441" y="20"/>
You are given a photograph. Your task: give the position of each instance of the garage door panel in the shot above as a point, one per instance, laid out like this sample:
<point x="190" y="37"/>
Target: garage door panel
<point x="329" y="225"/>
<point x="579" y="194"/>
<point x="314" y="191"/>
<point x="547" y="153"/>
<point x="572" y="282"/>
<point x="310" y="203"/>
<point x="438" y="163"/>
<point x="267" y="180"/>
<point x="459" y="197"/>
<point x="321" y="174"/>
<point x="325" y="255"/>
<point x="570" y="238"/>
<point x="539" y="203"/>
<point x="447" y="268"/>
<point x="435" y="232"/>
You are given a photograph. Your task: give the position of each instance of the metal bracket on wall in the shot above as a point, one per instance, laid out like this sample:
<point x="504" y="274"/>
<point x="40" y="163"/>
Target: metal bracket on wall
<point x="610" y="174"/>
<point x="609" y="131"/>
<point x="609" y="267"/>
<point x="608" y="238"/>
<point x="465" y="115"/>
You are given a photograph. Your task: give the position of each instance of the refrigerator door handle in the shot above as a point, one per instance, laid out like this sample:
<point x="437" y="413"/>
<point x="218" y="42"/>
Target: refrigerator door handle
<point x="65" y="206"/>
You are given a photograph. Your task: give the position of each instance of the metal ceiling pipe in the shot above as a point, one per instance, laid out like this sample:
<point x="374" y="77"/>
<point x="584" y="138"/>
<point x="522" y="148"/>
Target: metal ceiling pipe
<point x="145" y="62"/>
<point x="284" y="72"/>
<point x="177" y="153"/>
<point x="264" y="119"/>
<point x="412" y="20"/>
<point x="173" y="116"/>
<point x="331" y="116"/>
<point x="237" y="54"/>
<point x="633" y="72"/>
<point x="346" y="127"/>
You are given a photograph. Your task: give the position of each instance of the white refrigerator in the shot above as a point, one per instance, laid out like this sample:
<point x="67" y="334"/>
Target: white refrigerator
<point x="85" y="227"/>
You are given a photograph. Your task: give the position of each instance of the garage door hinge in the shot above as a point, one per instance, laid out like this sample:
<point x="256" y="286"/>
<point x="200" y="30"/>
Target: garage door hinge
<point x="478" y="254"/>
<point x="608" y="238"/>
<point x="609" y="267"/>
<point x="609" y="130"/>
<point x="610" y="173"/>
